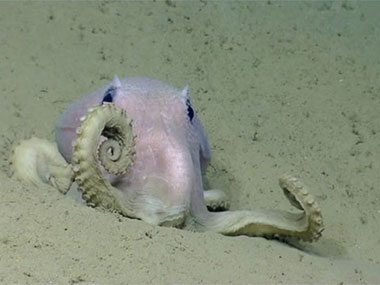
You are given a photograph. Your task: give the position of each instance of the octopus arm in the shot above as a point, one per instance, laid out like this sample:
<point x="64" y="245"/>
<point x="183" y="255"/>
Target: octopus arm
<point x="37" y="161"/>
<point x="306" y="225"/>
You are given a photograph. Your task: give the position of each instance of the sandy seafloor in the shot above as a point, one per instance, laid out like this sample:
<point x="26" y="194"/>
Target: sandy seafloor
<point x="282" y="87"/>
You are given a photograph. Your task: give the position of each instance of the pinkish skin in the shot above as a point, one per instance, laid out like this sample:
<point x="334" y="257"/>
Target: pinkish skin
<point x="171" y="150"/>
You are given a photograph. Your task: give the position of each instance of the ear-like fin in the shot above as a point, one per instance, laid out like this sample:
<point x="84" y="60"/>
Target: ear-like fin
<point x="186" y="92"/>
<point x="113" y="89"/>
<point x="116" y="82"/>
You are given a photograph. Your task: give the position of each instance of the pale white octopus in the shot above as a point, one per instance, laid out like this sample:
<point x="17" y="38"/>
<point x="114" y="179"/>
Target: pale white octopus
<point x="138" y="147"/>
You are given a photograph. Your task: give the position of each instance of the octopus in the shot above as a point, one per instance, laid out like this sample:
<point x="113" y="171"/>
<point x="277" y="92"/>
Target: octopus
<point x="138" y="148"/>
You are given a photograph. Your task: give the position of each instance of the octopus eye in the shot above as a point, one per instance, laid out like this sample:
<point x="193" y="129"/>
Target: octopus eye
<point x="109" y="95"/>
<point x="190" y="110"/>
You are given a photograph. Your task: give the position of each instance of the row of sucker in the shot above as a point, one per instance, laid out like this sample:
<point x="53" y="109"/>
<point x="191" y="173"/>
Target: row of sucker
<point x="300" y="198"/>
<point x="116" y="156"/>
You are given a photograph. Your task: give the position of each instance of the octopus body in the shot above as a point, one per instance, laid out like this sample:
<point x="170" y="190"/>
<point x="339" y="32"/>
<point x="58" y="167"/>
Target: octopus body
<point x="137" y="146"/>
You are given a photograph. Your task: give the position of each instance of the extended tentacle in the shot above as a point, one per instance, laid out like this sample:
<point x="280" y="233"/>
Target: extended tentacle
<point x="306" y="225"/>
<point x="109" y="125"/>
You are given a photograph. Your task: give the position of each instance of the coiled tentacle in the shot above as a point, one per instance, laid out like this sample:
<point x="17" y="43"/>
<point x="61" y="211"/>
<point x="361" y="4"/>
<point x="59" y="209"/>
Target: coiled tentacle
<point x="109" y="125"/>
